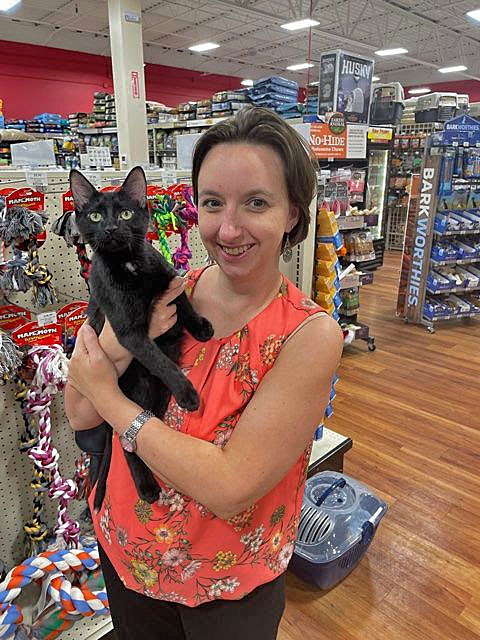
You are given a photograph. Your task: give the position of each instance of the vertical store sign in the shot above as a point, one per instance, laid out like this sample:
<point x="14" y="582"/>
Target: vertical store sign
<point x="419" y="258"/>
<point x="135" y="85"/>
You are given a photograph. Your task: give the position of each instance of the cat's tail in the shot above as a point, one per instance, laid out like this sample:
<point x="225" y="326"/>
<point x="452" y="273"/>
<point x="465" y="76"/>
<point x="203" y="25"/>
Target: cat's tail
<point x="101" y="485"/>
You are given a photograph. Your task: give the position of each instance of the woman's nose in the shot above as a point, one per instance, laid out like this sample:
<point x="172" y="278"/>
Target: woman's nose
<point x="230" y="224"/>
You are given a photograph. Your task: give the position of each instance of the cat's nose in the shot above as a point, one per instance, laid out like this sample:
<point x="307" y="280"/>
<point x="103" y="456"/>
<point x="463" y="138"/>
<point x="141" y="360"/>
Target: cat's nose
<point x="110" y="230"/>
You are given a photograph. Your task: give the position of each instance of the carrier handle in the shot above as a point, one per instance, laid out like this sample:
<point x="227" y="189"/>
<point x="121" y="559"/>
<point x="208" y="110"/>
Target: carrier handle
<point x="336" y="484"/>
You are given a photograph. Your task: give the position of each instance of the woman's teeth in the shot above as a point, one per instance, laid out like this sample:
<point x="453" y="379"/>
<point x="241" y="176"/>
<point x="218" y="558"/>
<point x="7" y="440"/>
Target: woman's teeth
<point x="236" y="251"/>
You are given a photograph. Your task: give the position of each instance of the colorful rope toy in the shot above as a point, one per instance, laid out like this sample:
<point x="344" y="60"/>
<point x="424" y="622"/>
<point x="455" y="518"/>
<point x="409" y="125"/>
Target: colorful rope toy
<point x="51" y="567"/>
<point x="173" y="211"/>
<point x="50" y="377"/>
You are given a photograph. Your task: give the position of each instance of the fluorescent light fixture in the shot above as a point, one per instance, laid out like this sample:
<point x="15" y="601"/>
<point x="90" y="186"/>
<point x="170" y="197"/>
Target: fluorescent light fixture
<point x="6" y="5"/>
<point x="391" y="52"/>
<point x="301" y="65"/>
<point x="459" y="67"/>
<point x="300" y="24"/>
<point x="314" y="83"/>
<point x="247" y="82"/>
<point x="375" y="78"/>
<point x="474" y="15"/>
<point x="204" y="46"/>
<point x="419" y="90"/>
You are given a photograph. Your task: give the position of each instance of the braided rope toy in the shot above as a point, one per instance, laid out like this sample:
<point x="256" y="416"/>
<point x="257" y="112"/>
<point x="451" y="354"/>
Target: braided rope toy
<point x="51" y="566"/>
<point x="36" y="529"/>
<point x="173" y="211"/>
<point x="50" y="377"/>
<point x="17" y="226"/>
<point x="10" y="358"/>
<point x="66" y="227"/>
<point x="43" y="292"/>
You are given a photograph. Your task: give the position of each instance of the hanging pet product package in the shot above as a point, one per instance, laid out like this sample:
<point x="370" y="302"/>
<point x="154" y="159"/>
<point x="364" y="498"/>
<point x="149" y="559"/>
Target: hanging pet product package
<point x="345" y="85"/>
<point x="338" y="520"/>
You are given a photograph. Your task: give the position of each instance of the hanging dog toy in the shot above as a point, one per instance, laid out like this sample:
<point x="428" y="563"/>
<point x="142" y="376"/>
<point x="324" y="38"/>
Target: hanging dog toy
<point x="22" y="227"/>
<point x="173" y="211"/>
<point x="66" y="227"/>
<point x="50" y="377"/>
<point x="53" y="567"/>
<point x="10" y="358"/>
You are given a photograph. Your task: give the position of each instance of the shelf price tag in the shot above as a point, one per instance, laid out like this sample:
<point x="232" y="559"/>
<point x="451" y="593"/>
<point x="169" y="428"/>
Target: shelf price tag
<point x="36" y="178"/>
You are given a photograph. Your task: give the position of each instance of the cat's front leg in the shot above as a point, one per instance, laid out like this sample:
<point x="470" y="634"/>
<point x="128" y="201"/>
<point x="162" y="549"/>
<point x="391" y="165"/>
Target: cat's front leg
<point x="157" y="363"/>
<point x="198" y="326"/>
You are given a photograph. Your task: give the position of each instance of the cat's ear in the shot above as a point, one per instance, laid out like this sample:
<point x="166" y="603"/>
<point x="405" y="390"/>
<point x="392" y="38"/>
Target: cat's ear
<point x="82" y="189"/>
<point x="135" y="186"/>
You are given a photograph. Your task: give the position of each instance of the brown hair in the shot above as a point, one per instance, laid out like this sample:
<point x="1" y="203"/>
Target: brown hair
<point x="258" y="125"/>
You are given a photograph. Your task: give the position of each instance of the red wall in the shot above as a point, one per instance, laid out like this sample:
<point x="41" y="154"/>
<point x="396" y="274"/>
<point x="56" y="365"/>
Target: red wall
<point x="37" y="79"/>
<point x="472" y="87"/>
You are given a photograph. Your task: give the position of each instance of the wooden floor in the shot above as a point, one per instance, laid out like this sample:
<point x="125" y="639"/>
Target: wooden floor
<point x="412" y="408"/>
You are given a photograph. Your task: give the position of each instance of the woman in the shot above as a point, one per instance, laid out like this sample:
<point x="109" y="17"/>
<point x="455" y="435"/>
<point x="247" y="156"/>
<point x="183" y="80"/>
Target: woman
<point x="208" y="560"/>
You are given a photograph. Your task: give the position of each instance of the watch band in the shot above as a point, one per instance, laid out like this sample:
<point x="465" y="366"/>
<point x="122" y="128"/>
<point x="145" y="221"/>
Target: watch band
<point x="129" y="436"/>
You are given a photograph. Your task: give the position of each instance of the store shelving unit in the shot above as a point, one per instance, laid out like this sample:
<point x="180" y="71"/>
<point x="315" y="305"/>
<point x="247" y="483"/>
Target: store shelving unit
<point x="444" y="232"/>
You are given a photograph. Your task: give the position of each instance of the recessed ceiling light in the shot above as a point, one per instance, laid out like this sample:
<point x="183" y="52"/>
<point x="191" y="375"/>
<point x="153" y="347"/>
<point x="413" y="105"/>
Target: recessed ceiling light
<point x="391" y="52"/>
<point x="375" y="78"/>
<point x="418" y="90"/>
<point x="204" y="46"/>
<point x="300" y="24"/>
<point x="474" y="15"/>
<point x="6" y="5"/>
<point x="247" y="82"/>
<point x="459" y="67"/>
<point x="301" y="65"/>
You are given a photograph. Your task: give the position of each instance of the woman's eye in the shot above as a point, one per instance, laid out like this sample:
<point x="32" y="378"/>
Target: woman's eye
<point x="95" y="216"/>
<point x="258" y="203"/>
<point x="126" y="215"/>
<point x="211" y="203"/>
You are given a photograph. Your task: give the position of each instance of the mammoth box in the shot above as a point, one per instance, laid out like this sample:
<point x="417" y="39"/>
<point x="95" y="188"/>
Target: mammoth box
<point x="345" y="85"/>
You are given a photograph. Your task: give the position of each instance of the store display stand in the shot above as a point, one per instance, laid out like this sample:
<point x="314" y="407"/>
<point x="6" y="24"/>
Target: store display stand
<point x="439" y="281"/>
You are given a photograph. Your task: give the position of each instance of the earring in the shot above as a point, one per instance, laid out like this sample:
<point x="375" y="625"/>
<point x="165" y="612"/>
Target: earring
<point x="287" y="250"/>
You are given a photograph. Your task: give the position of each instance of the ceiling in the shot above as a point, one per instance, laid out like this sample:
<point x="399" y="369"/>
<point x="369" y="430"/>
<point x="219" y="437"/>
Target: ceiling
<point x="253" y="45"/>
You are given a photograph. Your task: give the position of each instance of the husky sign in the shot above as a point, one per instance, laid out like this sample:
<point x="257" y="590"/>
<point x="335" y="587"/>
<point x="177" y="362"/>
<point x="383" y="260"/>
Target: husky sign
<point x="345" y="85"/>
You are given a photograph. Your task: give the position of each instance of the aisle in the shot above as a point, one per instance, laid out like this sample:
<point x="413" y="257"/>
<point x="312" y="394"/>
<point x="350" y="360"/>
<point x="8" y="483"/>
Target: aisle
<point x="412" y="410"/>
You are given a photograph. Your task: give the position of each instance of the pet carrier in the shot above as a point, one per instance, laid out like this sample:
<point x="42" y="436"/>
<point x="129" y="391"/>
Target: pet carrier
<point x="436" y="107"/>
<point x="338" y="520"/>
<point x="387" y="103"/>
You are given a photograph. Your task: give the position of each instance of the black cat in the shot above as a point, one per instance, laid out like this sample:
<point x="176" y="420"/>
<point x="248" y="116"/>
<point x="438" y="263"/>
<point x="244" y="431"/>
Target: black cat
<point x="127" y="275"/>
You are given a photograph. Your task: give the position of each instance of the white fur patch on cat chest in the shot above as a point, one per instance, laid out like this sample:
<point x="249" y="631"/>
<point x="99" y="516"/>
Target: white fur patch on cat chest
<point x="131" y="268"/>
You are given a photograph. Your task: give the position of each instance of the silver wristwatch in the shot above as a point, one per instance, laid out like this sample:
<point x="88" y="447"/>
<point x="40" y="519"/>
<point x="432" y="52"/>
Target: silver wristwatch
<point x="128" y="439"/>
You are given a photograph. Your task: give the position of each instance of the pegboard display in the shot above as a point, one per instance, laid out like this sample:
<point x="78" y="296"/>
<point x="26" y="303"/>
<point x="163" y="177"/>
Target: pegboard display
<point x="16" y="469"/>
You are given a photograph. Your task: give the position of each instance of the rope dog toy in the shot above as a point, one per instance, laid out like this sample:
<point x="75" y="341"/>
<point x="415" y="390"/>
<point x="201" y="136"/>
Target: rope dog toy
<point x="50" y="377"/>
<point x="52" y="566"/>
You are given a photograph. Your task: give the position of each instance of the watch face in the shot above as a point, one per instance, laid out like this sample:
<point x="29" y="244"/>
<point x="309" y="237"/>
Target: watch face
<point x="127" y="445"/>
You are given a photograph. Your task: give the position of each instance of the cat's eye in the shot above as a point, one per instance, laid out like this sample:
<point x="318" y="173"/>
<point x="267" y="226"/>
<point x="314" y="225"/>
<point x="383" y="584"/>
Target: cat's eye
<point x="126" y="215"/>
<point x="95" y="216"/>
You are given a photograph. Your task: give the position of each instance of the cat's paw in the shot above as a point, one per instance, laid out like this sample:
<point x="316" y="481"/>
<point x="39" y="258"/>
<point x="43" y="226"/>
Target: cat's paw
<point x="149" y="491"/>
<point x="202" y="329"/>
<point x="187" y="397"/>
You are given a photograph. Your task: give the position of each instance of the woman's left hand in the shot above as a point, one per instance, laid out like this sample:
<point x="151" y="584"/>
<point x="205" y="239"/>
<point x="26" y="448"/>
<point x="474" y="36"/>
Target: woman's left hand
<point x="90" y="371"/>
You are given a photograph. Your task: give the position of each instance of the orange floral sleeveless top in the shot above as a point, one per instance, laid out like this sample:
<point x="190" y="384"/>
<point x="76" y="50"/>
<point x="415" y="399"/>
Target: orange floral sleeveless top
<point x="176" y="549"/>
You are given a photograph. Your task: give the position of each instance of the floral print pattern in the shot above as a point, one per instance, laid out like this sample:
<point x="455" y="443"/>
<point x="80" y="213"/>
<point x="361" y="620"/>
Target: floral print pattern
<point x="176" y="549"/>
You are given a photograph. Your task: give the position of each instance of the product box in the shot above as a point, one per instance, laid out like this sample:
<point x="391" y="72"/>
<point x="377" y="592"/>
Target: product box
<point x="345" y="85"/>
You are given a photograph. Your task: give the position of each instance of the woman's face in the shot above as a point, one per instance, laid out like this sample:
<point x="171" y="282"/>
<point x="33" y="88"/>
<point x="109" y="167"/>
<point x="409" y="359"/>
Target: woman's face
<point x="243" y="208"/>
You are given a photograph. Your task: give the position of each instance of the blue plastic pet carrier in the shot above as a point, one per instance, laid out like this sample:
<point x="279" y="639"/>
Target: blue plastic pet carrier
<point x="338" y="520"/>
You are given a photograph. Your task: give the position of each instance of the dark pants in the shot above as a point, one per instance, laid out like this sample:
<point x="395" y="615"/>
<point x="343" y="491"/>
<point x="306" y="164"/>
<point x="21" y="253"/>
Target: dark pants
<point x="135" y="616"/>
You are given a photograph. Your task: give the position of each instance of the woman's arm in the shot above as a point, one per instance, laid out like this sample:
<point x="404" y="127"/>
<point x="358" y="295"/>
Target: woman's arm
<point x="80" y="412"/>
<point x="276" y="426"/>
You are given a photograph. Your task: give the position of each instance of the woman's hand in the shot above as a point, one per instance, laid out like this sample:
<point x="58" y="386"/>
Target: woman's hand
<point x="164" y="314"/>
<point x="90" y="371"/>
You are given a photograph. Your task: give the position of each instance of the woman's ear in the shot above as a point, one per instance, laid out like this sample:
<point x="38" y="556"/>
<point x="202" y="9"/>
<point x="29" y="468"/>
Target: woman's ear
<point x="293" y="218"/>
